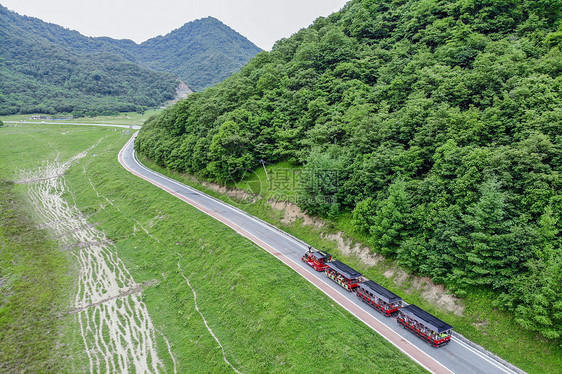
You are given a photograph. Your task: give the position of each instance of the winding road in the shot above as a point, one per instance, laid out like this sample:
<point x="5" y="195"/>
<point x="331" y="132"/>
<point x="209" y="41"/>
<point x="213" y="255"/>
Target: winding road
<point x="456" y="357"/>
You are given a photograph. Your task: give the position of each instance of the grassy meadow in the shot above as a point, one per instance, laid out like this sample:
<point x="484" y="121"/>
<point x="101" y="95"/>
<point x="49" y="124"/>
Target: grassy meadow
<point x="128" y="118"/>
<point x="267" y="318"/>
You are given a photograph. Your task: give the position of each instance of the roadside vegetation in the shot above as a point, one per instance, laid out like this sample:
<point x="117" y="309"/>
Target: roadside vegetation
<point x="432" y="127"/>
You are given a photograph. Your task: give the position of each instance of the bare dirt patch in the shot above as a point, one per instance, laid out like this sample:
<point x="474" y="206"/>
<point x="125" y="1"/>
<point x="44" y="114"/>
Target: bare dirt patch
<point x="292" y="213"/>
<point x="233" y="193"/>
<point x="436" y="294"/>
<point x="348" y="248"/>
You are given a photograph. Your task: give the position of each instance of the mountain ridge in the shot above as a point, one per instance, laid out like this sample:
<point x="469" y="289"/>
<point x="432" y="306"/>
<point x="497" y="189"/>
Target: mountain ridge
<point x="47" y="68"/>
<point x="187" y="47"/>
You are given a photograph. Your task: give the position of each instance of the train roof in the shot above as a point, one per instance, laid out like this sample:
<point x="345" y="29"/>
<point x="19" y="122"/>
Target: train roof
<point x="384" y="294"/>
<point x="425" y="318"/>
<point x="320" y="254"/>
<point x="344" y="270"/>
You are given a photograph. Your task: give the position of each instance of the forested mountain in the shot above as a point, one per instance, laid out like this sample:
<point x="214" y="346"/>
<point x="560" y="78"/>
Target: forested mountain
<point x="41" y="74"/>
<point x="437" y="123"/>
<point x="46" y="68"/>
<point x="202" y="53"/>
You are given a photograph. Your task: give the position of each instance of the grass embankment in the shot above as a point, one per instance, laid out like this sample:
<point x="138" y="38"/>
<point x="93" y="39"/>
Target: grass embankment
<point x="266" y="317"/>
<point x="480" y="321"/>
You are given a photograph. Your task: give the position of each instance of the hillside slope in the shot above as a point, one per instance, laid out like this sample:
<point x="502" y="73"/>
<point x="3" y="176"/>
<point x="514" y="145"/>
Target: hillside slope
<point x="46" y="68"/>
<point x="435" y="123"/>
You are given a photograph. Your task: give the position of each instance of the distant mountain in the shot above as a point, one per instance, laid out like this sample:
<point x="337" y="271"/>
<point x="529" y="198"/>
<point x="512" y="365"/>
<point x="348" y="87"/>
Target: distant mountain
<point x="41" y="71"/>
<point x="46" y="68"/>
<point x="202" y="53"/>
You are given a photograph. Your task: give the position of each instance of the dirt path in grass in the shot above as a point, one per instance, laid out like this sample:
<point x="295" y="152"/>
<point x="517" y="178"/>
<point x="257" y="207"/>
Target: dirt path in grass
<point x="115" y="326"/>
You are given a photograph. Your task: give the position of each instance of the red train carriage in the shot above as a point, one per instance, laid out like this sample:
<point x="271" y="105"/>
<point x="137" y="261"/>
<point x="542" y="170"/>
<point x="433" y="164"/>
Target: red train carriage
<point x="425" y="325"/>
<point x="343" y="275"/>
<point x="317" y="259"/>
<point x="379" y="297"/>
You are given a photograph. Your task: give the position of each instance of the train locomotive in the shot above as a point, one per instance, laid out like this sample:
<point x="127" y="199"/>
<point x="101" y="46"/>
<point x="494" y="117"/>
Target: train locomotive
<point x="423" y="324"/>
<point x="317" y="259"/>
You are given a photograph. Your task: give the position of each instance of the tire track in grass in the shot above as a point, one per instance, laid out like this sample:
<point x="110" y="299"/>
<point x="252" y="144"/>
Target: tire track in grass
<point x="115" y="325"/>
<point x="205" y="320"/>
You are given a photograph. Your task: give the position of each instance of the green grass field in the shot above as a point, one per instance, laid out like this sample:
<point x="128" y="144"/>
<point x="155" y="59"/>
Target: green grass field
<point x="129" y="118"/>
<point x="36" y="277"/>
<point x="267" y="318"/>
<point x="480" y="322"/>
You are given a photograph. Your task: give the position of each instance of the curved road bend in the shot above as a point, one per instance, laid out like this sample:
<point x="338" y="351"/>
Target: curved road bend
<point x="456" y="357"/>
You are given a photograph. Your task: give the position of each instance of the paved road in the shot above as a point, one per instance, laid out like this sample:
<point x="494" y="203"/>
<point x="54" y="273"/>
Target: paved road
<point x="456" y="357"/>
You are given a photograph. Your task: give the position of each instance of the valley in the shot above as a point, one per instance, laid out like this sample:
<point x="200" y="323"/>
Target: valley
<point x="156" y="198"/>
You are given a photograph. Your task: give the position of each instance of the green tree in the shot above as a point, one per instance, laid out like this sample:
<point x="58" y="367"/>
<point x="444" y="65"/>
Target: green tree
<point x="484" y="251"/>
<point x="538" y="294"/>
<point x="363" y="215"/>
<point x="229" y="152"/>
<point x="391" y="219"/>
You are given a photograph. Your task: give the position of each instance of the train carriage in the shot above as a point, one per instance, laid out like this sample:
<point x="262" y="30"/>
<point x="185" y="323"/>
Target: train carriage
<point x="425" y="325"/>
<point x="343" y="275"/>
<point x="379" y="297"/>
<point x="318" y="260"/>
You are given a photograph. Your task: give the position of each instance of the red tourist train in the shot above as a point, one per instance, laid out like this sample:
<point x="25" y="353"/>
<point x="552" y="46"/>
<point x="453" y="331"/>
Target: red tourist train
<point x="343" y="275"/>
<point x="317" y="259"/>
<point x="411" y="317"/>
<point x="379" y="298"/>
<point x="425" y="325"/>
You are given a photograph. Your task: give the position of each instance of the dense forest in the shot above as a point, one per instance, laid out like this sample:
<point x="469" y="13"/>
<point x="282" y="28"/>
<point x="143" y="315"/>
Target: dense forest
<point x="436" y="123"/>
<point x="45" y="68"/>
